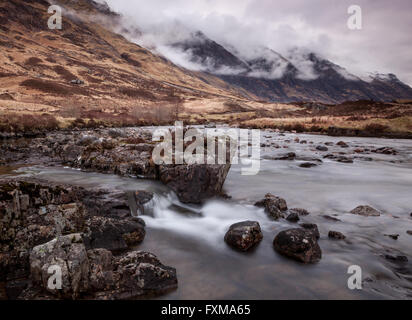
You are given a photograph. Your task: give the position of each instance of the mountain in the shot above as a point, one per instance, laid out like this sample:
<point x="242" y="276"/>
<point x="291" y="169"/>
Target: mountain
<point x="275" y="78"/>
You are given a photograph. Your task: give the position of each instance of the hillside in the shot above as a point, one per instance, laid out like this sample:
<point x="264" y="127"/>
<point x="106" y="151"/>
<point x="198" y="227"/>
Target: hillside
<point x="117" y="79"/>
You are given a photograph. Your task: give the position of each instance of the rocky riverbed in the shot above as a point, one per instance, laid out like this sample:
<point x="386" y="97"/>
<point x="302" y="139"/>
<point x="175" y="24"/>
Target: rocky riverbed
<point x="95" y="199"/>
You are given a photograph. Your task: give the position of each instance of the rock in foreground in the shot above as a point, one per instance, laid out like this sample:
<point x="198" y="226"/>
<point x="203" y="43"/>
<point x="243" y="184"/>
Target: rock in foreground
<point x="96" y="274"/>
<point x="298" y="244"/>
<point x="244" y="235"/>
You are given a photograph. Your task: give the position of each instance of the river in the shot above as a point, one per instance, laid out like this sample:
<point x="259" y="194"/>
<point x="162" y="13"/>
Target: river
<point x="190" y="238"/>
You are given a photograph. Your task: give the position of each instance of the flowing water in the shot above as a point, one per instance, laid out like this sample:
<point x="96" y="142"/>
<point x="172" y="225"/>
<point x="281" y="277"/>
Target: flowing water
<point x="190" y="238"/>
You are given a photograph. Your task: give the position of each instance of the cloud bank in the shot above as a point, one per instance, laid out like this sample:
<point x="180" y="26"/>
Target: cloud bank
<point x="384" y="44"/>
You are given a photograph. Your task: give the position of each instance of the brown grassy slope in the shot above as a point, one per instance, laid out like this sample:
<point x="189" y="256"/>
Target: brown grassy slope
<point x="120" y="77"/>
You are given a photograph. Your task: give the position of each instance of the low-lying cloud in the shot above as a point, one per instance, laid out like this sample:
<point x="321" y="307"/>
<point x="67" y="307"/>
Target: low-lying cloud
<point x="384" y="44"/>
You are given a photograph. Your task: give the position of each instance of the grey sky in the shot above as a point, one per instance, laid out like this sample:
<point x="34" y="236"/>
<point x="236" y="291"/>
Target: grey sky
<point x="384" y="44"/>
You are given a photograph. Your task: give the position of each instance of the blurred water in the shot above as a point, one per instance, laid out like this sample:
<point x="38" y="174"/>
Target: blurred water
<point x="190" y="238"/>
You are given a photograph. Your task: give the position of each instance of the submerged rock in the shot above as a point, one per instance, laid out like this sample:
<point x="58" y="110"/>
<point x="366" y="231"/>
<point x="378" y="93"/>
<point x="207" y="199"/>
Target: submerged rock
<point x="397" y="258"/>
<point x="336" y="235"/>
<point x="366" y="211"/>
<point x="308" y="165"/>
<point x="327" y="217"/>
<point x="244" y="235"/>
<point x="298" y="244"/>
<point x="322" y="148"/>
<point x="274" y="206"/>
<point x="392" y="236"/>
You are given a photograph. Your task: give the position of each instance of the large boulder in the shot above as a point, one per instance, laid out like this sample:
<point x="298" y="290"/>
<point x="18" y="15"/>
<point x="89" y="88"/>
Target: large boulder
<point x="274" y="206"/>
<point x="69" y="254"/>
<point x="114" y="234"/>
<point x="194" y="183"/>
<point x="366" y="211"/>
<point x="244" y="235"/>
<point x="298" y="244"/>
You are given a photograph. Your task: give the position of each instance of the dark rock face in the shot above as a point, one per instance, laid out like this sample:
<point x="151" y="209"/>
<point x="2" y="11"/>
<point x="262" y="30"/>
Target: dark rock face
<point x="31" y="211"/>
<point x="366" y="211"/>
<point x="96" y="274"/>
<point x="298" y="244"/>
<point x="274" y="206"/>
<point x="194" y="183"/>
<point x="293" y="217"/>
<point x="47" y="224"/>
<point x="312" y="228"/>
<point x="113" y="234"/>
<point x="336" y="235"/>
<point x="244" y="235"/>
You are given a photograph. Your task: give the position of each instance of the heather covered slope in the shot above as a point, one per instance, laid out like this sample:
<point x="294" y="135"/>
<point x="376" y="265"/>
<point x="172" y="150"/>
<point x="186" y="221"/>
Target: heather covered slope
<point x="117" y="78"/>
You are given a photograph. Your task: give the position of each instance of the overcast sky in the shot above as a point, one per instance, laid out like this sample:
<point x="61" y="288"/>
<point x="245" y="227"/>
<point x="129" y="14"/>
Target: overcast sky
<point x="383" y="45"/>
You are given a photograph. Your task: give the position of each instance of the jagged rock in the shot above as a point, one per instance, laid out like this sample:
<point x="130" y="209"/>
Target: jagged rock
<point x="68" y="253"/>
<point x="101" y="275"/>
<point x="366" y="211"/>
<point x="298" y="244"/>
<point x="274" y="206"/>
<point x="244" y="235"/>
<point x="311" y="227"/>
<point x="137" y="274"/>
<point x="336" y="235"/>
<point x="114" y="234"/>
<point x="31" y="213"/>
<point x="194" y="183"/>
